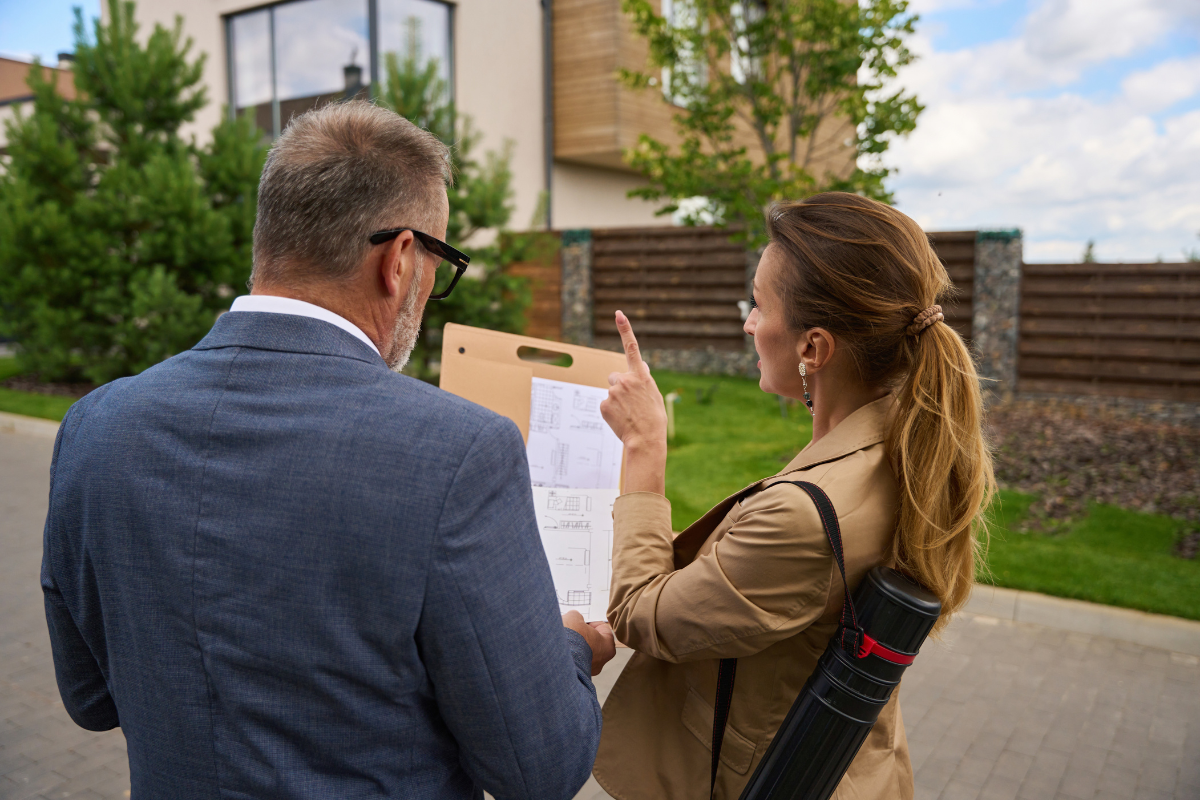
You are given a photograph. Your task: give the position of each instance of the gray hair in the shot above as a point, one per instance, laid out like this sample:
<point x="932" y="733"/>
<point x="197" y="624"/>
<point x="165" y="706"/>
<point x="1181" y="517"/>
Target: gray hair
<point x="339" y="173"/>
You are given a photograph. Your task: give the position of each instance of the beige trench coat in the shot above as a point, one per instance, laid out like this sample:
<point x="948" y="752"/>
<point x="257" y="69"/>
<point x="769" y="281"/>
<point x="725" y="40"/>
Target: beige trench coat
<point x="755" y="580"/>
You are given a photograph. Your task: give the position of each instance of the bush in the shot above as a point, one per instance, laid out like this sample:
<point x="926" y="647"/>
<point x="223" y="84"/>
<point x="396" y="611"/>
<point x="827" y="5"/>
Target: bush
<point x="119" y="240"/>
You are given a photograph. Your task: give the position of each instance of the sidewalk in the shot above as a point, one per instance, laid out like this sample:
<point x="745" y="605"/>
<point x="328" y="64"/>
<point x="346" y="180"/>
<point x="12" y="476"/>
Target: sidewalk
<point x="1000" y="708"/>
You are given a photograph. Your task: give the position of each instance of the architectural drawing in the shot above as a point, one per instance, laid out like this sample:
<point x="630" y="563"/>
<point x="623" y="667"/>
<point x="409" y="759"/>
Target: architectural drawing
<point x="576" y="531"/>
<point x="570" y="445"/>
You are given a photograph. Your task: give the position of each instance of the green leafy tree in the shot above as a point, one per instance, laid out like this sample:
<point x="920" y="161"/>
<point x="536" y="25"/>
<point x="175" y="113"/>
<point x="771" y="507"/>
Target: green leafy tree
<point x="481" y="200"/>
<point x="1089" y="252"/>
<point x="119" y="240"/>
<point x="808" y="79"/>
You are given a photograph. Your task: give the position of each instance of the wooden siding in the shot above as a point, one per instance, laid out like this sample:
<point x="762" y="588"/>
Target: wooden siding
<point x="679" y="286"/>
<point x="597" y="118"/>
<point x="1120" y="330"/>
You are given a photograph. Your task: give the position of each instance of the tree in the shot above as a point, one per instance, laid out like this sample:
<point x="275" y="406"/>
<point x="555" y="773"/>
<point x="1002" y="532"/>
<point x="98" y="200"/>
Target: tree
<point x="119" y="240"/>
<point x="805" y="78"/>
<point x="480" y="201"/>
<point x="1089" y="251"/>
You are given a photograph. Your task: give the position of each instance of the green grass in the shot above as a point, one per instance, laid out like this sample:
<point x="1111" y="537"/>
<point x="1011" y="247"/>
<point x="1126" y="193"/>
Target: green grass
<point x="1113" y="556"/>
<point x="721" y="446"/>
<point x="30" y="404"/>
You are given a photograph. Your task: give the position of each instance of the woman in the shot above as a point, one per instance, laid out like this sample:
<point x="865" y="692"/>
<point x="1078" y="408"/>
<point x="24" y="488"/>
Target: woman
<point x="844" y="317"/>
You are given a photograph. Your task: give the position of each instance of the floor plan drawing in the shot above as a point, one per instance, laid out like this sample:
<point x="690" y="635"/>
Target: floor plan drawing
<point x="570" y="445"/>
<point x="576" y="531"/>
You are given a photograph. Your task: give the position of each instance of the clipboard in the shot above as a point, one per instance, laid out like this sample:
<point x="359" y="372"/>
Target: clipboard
<point x="484" y="367"/>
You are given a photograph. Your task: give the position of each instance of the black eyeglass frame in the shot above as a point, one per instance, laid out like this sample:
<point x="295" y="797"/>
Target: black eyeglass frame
<point x="457" y="258"/>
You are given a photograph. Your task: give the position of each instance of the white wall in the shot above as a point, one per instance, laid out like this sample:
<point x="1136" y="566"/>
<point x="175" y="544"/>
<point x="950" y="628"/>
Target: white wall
<point x="592" y="197"/>
<point x="498" y="82"/>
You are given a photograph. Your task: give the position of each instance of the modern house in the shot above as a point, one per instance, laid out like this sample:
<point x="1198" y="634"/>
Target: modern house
<point x="541" y="73"/>
<point x="14" y="88"/>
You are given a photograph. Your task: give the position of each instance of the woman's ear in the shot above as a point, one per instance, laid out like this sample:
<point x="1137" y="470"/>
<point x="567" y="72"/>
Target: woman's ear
<point x="819" y="347"/>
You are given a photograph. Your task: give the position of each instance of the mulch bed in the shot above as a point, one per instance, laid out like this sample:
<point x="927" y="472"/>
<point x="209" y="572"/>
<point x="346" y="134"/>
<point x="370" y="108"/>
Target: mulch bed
<point x="1068" y="455"/>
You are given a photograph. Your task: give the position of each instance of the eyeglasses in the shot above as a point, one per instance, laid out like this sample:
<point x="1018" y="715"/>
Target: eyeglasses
<point x="447" y="274"/>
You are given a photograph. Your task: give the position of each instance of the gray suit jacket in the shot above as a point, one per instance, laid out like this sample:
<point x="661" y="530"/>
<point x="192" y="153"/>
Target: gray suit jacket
<point x="286" y="571"/>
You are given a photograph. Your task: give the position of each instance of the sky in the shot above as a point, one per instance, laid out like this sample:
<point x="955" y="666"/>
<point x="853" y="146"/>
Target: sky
<point x="1073" y="120"/>
<point x="42" y="28"/>
<point x="1070" y="119"/>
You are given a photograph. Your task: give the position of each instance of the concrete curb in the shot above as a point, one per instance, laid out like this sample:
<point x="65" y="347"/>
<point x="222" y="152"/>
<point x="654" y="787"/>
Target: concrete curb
<point x="1139" y="627"/>
<point x="28" y="426"/>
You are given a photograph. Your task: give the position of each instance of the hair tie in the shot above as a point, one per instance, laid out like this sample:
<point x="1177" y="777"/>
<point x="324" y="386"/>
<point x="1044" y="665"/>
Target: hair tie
<point x="925" y="319"/>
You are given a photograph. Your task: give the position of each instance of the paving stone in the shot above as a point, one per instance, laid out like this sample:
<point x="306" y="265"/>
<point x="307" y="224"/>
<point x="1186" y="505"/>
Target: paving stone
<point x="956" y="790"/>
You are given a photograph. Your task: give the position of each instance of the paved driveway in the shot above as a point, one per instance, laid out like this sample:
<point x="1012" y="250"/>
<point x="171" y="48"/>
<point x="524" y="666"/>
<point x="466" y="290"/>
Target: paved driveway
<point x="996" y="710"/>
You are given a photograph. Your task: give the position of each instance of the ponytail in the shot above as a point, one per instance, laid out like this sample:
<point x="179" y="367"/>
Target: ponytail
<point x="943" y="466"/>
<point x="867" y="273"/>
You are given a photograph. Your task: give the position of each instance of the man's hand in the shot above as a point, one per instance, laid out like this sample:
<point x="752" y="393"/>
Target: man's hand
<point x="598" y="635"/>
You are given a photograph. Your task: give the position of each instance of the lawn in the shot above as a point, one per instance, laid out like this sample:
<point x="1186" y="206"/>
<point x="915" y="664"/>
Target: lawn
<point x="30" y="404"/>
<point x="1111" y="556"/>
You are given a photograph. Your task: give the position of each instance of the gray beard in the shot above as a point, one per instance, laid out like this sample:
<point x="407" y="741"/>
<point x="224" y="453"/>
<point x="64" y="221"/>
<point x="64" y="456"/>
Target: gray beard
<point x="407" y="328"/>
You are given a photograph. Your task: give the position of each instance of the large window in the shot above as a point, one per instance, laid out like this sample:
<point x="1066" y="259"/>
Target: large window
<point x="287" y="58"/>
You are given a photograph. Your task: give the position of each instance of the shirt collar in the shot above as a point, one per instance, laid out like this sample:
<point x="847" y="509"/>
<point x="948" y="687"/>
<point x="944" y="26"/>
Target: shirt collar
<point x="271" y="304"/>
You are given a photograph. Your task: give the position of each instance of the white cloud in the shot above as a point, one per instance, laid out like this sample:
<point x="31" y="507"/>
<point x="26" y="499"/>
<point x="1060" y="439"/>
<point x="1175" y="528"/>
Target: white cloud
<point x="1123" y="169"/>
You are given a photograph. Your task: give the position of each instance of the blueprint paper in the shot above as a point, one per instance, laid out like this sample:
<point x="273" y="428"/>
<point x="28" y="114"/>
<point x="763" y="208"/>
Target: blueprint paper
<point x="570" y="445"/>
<point x="576" y="528"/>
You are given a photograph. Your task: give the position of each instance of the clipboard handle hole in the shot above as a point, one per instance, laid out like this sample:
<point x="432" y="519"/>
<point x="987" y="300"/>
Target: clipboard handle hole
<point x="462" y="349"/>
<point x="540" y="356"/>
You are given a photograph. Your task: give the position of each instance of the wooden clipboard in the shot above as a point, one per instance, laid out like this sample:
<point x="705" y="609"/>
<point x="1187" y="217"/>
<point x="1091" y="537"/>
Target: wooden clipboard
<point x="484" y="367"/>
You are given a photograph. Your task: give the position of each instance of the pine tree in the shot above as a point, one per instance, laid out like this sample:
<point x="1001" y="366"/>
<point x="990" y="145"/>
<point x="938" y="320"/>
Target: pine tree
<point x="119" y="240"/>
<point x="480" y="201"/>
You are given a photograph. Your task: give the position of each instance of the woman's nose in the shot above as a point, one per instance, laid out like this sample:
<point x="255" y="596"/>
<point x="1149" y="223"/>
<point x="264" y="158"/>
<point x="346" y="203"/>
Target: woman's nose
<point x="751" y="322"/>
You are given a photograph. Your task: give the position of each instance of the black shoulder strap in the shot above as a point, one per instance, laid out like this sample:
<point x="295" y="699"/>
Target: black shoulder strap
<point x="848" y="629"/>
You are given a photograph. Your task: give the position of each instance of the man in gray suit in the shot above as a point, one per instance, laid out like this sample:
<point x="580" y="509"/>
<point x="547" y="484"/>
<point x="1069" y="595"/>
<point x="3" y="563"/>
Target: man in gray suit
<point x="287" y="571"/>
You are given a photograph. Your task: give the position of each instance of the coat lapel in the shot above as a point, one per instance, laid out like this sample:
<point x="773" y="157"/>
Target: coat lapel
<point x="865" y="427"/>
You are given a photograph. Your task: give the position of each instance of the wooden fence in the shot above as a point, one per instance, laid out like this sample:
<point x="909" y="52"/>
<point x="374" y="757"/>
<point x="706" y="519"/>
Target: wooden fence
<point x="679" y="286"/>
<point x="956" y="249"/>
<point x="1121" y="330"/>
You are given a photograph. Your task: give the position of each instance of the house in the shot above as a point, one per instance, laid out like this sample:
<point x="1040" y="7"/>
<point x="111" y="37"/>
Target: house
<point x="541" y="73"/>
<point x="15" y="93"/>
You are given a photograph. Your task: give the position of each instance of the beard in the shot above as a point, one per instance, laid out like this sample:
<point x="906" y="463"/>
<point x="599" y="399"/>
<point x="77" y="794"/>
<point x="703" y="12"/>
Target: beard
<point x="407" y="328"/>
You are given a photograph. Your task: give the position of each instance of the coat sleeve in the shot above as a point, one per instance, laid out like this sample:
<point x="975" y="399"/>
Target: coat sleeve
<point x="512" y="684"/>
<point x="765" y="580"/>
<point x="81" y="682"/>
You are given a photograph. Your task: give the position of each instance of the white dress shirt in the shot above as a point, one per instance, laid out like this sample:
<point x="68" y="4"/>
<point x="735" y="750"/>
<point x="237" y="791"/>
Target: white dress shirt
<point x="286" y="305"/>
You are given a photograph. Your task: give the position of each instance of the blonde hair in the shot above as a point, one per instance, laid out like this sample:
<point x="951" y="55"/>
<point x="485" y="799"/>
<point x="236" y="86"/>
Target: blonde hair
<point x="864" y="271"/>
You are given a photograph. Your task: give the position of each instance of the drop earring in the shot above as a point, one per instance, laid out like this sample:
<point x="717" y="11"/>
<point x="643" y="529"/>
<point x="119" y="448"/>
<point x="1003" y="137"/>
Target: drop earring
<point x="807" y="396"/>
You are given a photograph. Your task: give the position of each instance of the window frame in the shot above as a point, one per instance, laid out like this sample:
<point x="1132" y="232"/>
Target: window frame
<point x="372" y="44"/>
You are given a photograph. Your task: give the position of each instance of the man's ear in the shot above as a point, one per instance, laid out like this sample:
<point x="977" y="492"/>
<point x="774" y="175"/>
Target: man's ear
<point x="398" y="265"/>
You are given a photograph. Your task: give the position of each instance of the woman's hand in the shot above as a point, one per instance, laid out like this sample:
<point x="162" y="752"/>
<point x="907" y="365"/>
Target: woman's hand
<point x="636" y="413"/>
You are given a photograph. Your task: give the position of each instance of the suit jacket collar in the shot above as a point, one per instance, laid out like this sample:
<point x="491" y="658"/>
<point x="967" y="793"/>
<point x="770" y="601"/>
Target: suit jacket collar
<point x="286" y="333"/>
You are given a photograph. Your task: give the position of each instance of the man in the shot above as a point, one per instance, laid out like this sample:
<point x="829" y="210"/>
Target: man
<point x="287" y="571"/>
